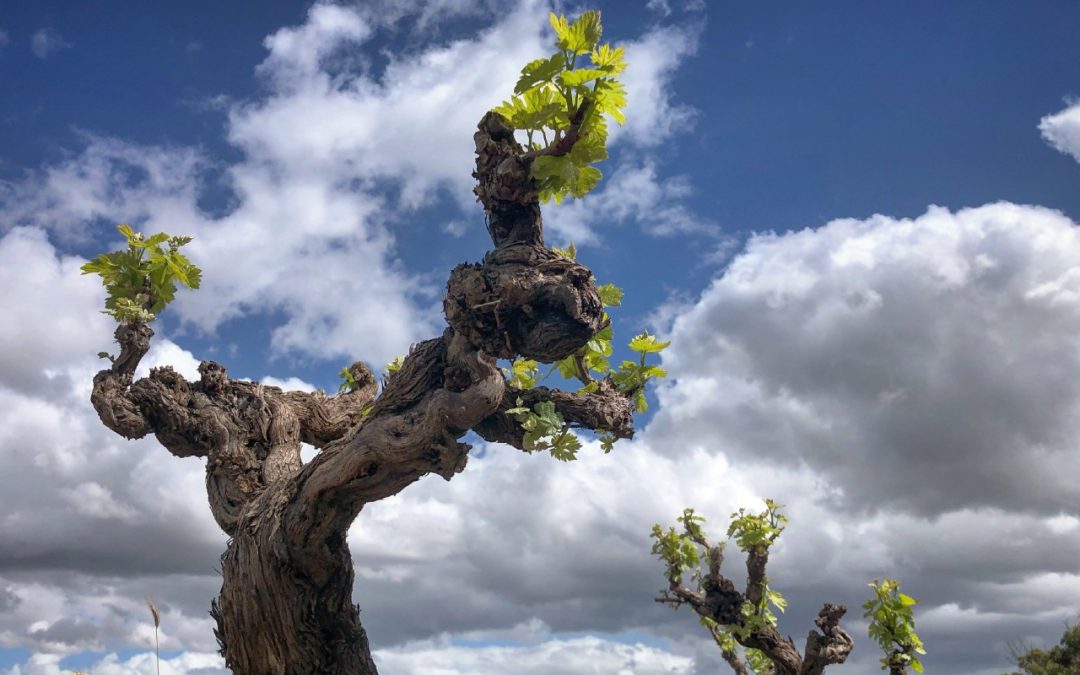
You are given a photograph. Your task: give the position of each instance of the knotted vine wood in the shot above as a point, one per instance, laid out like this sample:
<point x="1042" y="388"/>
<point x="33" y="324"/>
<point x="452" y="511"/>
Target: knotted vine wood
<point x="285" y="604"/>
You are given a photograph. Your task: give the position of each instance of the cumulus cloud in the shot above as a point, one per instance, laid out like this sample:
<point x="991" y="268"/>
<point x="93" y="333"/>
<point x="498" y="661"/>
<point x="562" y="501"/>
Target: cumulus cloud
<point x="1062" y="130"/>
<point x="187" y="663"/>
<point x="88" y="518"/>
<point x="653" y="115"/>
<point x="49" y="327"/>
<point x="926" y="364"/>
<point x="569" y="552"/>
<point x="328" y="154"/>
<point x="661" y="7"/>
<point x="4" y="39"/>
<point x="310" y="221"/>
<point x="553" y="657"/>
<point x="47" y="41"/>
<point x="633" y="193"/>
<point x="904" y="386"/>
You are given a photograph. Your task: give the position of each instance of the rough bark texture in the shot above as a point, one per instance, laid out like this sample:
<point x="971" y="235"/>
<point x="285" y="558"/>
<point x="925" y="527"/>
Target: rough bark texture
<point x="720" y="602"/>
<point x="285" y="604"/>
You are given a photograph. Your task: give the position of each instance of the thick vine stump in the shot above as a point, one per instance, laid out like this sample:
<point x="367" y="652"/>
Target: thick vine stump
<point x="285" y="605"/>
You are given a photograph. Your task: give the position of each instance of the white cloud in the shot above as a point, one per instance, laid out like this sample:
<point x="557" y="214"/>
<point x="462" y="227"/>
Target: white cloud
<point x="47" y="41"/>
<point x="426" y="15"/>
<point x="91" y="499"/>
<point x="652" y="114"/>
<point x="111" y="180"/>
<point x="297" y="54"/>
<point x="455" y="228"/>
<point x="55" y="320"/>
<point x="288" y="384"/>
<point x="926" y="363"/>
<point x="938" y="348"/>
<point x="186" y="663"/>
<point x="554" y="657"/>
<point x="660" y="7"/>
<point x="4" y="39"/>
<point x="634" y="192"/>
<point x="1062" y="130"/>
<point x="310" y="229"/>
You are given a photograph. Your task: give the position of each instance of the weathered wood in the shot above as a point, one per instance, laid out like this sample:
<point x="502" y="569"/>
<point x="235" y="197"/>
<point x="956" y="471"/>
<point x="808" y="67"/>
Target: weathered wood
<point x="286" y="598"/>
<point x="721" y="603"/>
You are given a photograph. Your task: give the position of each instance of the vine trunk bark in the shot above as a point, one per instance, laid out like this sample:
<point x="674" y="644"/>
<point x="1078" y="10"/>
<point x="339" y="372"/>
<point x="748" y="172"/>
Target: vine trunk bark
<point x="287" y="576"/>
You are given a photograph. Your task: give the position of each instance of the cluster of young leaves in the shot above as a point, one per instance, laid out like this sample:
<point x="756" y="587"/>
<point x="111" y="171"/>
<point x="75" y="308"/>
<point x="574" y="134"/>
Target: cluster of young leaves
<point x="394" y="365"/>
<point x="550" y="93"/>
<point x="679" y="549"/>
<point x="142" y="279"/>
<point x="522" y="373"/>
<point x="630" y="377"/>
<point x="545" y="429"/>
<point x="348" y="381"/>
<point x="758" y="662"/>
<point x="757" y="532"/>
<point x="892" y="624"/>
<point x="683" y="552"/>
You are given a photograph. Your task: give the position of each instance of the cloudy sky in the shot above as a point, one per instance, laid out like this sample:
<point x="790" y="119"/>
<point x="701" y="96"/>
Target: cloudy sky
<point x="857" y="224"/>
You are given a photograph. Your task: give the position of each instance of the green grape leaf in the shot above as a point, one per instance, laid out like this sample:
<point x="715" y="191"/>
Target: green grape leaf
<point x="130" y="234"/>
<point x="569" y="252"/>
<point x="607" y="442"/>
<point x="641" y="404"/>
<point x="647" y="344"/>
<point x="395" y="365"/>
<point x="522" y="373"/>
<point x="580" y="36"/>
<point x="550" y="92"/>
<point x="348" y="381"/>
<point x="559" y="169"/>
<point x="142" y="280"/>
<point x="892" y="624"/>
<point x="610" y="97"/>
<point x="586" y="179"/>
<point x="609" y="60"/>
<point x="568" y="367"/>
<point x="540" y="71"/>
<point x="610" y="295"/>
<point x="579" y="76"/>
<point x="534" y="110"/>
<point x="588" y="149"/>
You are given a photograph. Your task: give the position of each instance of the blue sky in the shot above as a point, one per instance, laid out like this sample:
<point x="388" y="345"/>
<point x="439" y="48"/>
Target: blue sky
<point x="856" y="222"/>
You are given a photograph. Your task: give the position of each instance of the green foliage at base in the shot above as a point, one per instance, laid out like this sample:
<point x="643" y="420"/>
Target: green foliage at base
<point x="142" y="279"/>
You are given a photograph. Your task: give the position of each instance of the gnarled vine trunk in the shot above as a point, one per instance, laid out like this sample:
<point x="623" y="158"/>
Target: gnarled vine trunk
<point x="722" y="605"/>
<point x="286" y="599"/>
